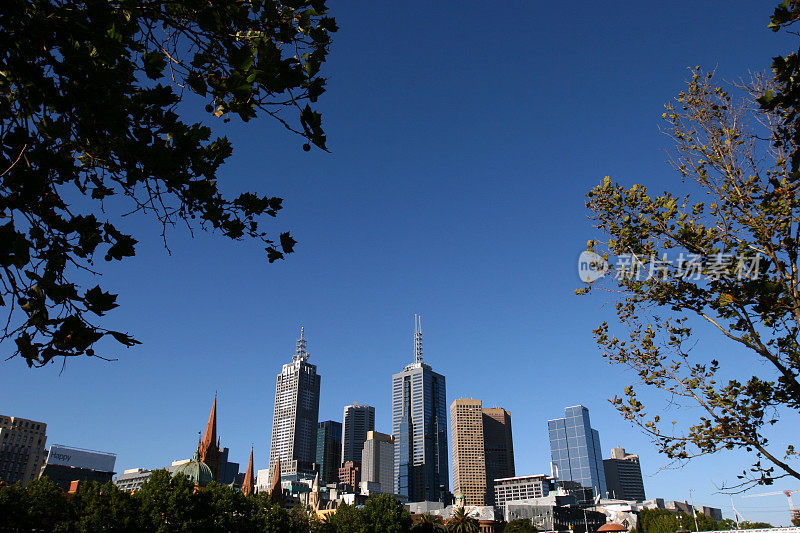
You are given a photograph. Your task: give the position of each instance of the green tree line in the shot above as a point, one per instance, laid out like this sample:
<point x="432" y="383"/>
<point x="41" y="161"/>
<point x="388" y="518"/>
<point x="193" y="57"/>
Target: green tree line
<point x="665" y="521"/>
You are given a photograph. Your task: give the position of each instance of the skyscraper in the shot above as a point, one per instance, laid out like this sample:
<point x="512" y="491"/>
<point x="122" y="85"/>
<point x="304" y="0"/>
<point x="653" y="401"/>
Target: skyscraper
<point x="329" y="450"/>
<point x="577" y="461"/>
<point x="482" y="449"/>
<point x="294" y="421"/>
<point x="419" y="428"/>
<point x="357" y="421"/>
<point x="377" y="461"/>
<point x="624" y="475"/>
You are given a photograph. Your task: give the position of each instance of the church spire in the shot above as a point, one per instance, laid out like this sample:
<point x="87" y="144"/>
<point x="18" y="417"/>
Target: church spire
<point x="276" y="493"/>
<point x="248" y="486"/>
<point x="208" y="451"/>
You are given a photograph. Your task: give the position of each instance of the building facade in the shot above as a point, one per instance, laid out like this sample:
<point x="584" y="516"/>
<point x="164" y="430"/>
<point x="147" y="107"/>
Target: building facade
<point x="482" y="449"/>
<point x="419" y="428"/>
<point x="624" y="476"/>
<point x="575" y="454"/>
<point x="521" y="488"/>
<point x="22" y="449"/>
<point x="356" y="422"/>
<point x="132" y="479"/>
<point x="377" y="462"/>
<point x="350" y="476"/>
<point x="329" y="447"/>
<point x="294" y="421"/>
<point x="66" y="464"/>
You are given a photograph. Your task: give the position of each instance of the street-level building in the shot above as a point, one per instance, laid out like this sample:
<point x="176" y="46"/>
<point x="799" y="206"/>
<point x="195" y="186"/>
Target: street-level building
<point x="66" y="464"/>
<point x="22" y="449"/>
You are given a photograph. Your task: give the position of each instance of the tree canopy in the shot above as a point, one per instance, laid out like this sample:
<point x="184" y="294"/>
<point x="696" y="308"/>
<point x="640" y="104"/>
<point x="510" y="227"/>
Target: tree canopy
<point x="723" y="256"/>
<point x="92" y="98"/>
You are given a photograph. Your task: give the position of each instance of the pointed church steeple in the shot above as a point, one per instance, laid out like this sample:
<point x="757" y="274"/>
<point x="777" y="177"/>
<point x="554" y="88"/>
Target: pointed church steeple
<point x="248" y="486"/>
<point x="276" y="494"/>
<point x="209" y="446"/>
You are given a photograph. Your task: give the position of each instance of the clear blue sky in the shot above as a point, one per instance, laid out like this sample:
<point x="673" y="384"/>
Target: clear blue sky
<point x="464" y="136"/>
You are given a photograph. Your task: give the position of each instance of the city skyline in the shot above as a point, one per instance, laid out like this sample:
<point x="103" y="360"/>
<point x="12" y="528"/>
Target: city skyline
<point x="455" y="187"/>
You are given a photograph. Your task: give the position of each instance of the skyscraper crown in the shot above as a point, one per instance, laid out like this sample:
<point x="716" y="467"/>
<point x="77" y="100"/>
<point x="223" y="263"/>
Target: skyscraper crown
<point x="301" y="354"/>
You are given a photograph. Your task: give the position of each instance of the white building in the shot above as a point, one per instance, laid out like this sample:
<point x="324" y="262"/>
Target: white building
<point x="294" y="422"/>
<point x="377" y="462"/>
<point x="521" y="488"/>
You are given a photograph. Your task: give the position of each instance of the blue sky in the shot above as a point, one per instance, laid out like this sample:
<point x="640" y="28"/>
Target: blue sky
<point x="463" y="136"/>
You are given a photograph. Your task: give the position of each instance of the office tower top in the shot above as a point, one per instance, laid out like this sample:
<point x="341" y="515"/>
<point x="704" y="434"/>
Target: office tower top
<point x="576" y="456"/>
<point x="624" y="475"/>
<point x="357" y="421"/>
<point x="419" y="428"/>
<point x="294" y="422"/>
<point x="482" y="449"/>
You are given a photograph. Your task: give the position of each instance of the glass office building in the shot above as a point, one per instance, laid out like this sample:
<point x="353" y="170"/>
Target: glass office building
<point x="577" y="461"/>
<point x="419" y="428"/>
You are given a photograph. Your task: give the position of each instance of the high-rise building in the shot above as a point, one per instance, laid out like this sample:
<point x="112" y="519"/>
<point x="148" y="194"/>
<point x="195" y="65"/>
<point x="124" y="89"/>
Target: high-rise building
<point x="419" y="428"/>
<point x="357" y="421"/>
<point x="329" y="449"/>
<point x="22" y="451"/>
<point x="294" y="421"/>
<point x="350" y="476"/>
<point x="377" y="461"/>
<point x="521" y="488"/>
<point x="577" y="461"/>
<point x="624" y="476"/>
<point x="482" y="449"/>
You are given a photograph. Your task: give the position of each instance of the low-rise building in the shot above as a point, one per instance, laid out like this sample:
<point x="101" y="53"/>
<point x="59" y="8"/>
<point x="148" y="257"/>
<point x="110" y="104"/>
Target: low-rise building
<point x="521" y="488"/>
<point x="132" y="479"/>
<point x="65" y="464"/>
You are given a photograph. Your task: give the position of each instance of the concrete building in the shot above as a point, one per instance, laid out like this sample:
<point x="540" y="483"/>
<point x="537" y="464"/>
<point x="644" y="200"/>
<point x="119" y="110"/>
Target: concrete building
<point x="556" y="517"/>
<point x="419" y="428"/>
<point x="294" y="421"/>
<point x="329" y="448"/>
<point x="624" y="476"/>
<point x="350" y="476"/>
<point x="482" y="450"/>
<point x="576" y="455"/>
<point x="65" y="464"/>
<point x="521" y="488"/>
<point x="132" y="479"/>
<point x="356" y="422"/>
<point x="22" y="449"/>
<point x="377" y="462"/>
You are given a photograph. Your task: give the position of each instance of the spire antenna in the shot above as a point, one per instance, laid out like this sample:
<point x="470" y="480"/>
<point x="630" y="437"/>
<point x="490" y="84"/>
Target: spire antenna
<point x="417" y="338"/>
<point x="301" y="354"/>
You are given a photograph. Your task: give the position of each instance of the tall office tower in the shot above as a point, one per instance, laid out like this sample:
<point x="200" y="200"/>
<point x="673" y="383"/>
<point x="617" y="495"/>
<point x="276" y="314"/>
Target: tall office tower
<point x="419" y="428"/>
<point x="329" y="450"/>
<point x="377" y="461"/>
<point x="357" y="421"/>
<point x="469" y="464"/>
<point x="577" y="462"/>
<point x="294" y="421"/>
<point x="482" y="449"/>
<point x="624" y="476"/>
<point x="22" y="452"/>
<point x="498" y="446"/>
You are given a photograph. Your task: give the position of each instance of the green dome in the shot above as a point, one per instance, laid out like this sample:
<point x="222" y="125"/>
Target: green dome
<point x="197" y="471"/>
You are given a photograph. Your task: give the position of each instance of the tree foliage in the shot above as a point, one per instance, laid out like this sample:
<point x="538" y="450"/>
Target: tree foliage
<point x="461" y="522"/>
<point x="520" y="525"/>
<point x="724" y="255"/>
<point x="91" y="100"/>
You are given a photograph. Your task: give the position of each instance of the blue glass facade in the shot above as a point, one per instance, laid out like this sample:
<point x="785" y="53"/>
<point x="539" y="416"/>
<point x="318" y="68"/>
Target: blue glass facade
<point x="419" y="426"/>
<point x="575" y="451"/>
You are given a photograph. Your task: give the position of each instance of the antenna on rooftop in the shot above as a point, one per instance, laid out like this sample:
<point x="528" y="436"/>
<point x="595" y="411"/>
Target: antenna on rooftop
<point x="417" y="338"/>
<point x="301" y="354"/>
